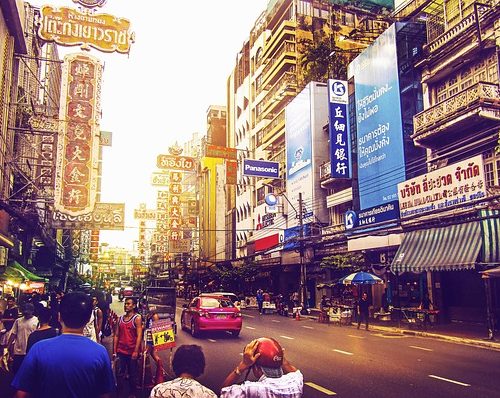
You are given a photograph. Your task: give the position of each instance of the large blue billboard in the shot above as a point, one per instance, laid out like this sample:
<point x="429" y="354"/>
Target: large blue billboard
<point x="380" y="148"/>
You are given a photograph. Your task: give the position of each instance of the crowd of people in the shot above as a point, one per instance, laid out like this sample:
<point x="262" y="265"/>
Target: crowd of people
<point x="54" y="349"/>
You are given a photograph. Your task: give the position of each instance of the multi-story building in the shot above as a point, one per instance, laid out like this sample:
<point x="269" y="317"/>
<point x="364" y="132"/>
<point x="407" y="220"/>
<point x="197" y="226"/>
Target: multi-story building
<point x="459" y="127"/>
<point x="292" y="43"/>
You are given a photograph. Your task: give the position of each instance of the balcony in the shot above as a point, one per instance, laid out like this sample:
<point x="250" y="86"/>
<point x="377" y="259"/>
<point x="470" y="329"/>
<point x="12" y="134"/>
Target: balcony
<point x="286" y="85"/>
<point x="327" y="181"/>
<point x="270" y="132"/>
<point x="476" y="107"/>
<point x="286" y="50"/>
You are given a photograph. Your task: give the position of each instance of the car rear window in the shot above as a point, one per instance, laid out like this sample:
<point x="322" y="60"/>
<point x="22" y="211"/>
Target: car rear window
<point x="212" y="302"/>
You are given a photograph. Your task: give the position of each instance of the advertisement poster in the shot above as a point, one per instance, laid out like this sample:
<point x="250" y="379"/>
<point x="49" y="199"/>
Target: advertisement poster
<point x="381" y="161"/>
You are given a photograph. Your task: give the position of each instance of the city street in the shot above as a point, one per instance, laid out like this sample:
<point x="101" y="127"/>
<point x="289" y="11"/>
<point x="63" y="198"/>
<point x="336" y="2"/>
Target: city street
<point x="347" y="362"/>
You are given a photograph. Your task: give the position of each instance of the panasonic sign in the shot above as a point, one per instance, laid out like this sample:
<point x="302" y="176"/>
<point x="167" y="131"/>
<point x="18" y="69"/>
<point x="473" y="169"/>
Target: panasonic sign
<point x="260" y="168"/>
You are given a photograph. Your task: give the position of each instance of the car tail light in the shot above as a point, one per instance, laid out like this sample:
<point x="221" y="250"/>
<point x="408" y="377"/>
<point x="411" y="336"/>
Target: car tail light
<point x="237" y="315"/>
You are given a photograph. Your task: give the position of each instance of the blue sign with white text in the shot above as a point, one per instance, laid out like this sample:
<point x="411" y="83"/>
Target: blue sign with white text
<point x="380" y="150"/>
<point x="340" y="151"/>
<point x="261" y="168"/>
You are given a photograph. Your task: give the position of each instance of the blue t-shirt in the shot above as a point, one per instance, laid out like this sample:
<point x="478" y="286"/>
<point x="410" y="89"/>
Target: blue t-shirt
<point x="66" y="366"/>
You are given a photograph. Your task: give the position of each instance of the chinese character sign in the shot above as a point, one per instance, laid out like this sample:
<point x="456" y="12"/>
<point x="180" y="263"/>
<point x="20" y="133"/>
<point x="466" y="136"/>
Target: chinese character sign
<point x="340" y="154"/>
<point x="78" y="135"/>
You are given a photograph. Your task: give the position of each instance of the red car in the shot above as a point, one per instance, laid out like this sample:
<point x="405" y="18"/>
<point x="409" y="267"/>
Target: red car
<point x="214" y="313"/>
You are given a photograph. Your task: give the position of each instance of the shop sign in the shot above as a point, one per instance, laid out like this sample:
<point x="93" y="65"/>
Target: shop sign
<point x="69" y="27"/>
<point x="457" y="184"/>
<point x="163" y="335"/>
<point x="216" y="151"/>
<point x="170" y="162"/>
<point x="231" y="172"/>
<point x="179" y="246"/>
<point x="78" y="137"/>
<point x="145" y="214"/>
<point x="159" y="179"/>
<point x="339" y="129"/>
<point x="106" y="138"/>
<point x="48" y="128"/>
<point x="105" y="216"/>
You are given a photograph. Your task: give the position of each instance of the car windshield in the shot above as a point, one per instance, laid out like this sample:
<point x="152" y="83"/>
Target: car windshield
<point x="212" y="302"/>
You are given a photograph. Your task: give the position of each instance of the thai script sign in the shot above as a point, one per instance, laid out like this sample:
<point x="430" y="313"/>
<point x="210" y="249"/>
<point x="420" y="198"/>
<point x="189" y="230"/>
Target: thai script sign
<point x="340" y="154"/>
<point x="78" y="137"/>
<point x="179" y="246"/>
<point x="216" y="151"/>
<point x="231" y="172"/>
<point x="105" y="216"/>
<point x="106" y="138"/>
<point x="159" y="179"/>
<point x="69" y="27"/>
<point x="261" y="168"/>
<point x="381" y="155"/>
<point x="183" y="163"/>
<point x="459" y="183"/>
<point x="145" y="214"/>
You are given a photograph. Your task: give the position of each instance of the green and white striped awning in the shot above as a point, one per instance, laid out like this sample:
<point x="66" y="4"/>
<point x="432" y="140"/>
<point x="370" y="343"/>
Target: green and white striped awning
<point x="455" y="247"/>
<point x="490" y="225"/>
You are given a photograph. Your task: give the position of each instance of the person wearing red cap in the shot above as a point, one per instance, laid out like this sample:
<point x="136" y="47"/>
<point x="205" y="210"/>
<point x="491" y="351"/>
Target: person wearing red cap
<point x="276" y="377"/>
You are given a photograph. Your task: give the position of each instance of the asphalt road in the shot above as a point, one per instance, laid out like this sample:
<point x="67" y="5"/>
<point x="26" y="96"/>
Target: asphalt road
<point x="347" y="362"/>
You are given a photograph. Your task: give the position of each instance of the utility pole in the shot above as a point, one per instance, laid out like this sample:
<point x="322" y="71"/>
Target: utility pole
<point x="303" y="287"/>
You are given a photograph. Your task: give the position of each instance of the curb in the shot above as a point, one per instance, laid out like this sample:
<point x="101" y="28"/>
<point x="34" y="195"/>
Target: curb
<point x="462" y="340"/>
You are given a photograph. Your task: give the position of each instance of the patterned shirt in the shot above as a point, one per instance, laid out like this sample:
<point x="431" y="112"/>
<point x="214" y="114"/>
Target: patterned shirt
<point x="286" y="386"/>
<point x="181" y="387"/>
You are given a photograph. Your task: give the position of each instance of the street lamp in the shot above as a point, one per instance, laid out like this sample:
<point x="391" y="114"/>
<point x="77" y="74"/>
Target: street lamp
<point x="300" y="214"/>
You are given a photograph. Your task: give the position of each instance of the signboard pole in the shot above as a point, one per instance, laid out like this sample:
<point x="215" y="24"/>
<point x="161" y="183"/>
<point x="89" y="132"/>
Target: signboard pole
<point x="303" y="285"/>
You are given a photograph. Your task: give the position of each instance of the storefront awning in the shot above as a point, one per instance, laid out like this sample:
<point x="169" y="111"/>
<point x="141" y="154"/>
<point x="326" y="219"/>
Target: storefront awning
<point x="490" y="226"/>
<point x="19" y="272"/>
<point x="455" y="247"/>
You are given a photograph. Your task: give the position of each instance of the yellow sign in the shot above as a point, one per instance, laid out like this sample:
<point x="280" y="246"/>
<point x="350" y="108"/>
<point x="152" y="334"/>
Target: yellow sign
<point x="69" y="27"/>
<point x="163" y="335"/>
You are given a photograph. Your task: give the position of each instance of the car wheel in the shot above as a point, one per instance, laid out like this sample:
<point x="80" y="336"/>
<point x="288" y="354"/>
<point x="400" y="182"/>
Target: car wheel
<point x="194" y="331"/>
<point x="235" y="333"/>
<point x="183" y="323"/>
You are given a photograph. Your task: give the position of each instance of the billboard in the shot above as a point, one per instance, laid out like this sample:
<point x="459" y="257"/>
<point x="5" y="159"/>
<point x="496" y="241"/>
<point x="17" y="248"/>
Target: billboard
<point x="298" y="138"/>
<point x="261" y="168"/>
<point x="449" y="186"/>
<point x="78" y="135"/>
<point x="105" y="216"/>
<point x="380" y="152"/>
<point x="340" y="143"/>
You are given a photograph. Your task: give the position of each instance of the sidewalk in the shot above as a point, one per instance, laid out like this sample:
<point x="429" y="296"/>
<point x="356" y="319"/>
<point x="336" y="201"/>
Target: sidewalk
<point x="464" y="333"/>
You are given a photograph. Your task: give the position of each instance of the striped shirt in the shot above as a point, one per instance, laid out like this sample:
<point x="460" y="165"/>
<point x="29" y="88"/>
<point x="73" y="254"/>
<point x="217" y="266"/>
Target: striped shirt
<point x="286" y="386"/>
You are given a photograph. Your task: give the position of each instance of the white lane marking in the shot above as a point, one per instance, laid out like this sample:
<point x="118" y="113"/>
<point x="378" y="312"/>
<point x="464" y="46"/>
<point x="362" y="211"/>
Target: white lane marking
<point x="275" y="321"/>
<point x="450" y="381"/>
<point x="344" y="352"/>
<point x="356" y="337"/>
<point x="288" y="338"/>
<point x="307" y="327"/>
<point x="212" y="340"/>
<point x="249" y="327"/>
<point x="420" y="348"/>
<point x="248" y="316"/>
<point x="319" y="388"/>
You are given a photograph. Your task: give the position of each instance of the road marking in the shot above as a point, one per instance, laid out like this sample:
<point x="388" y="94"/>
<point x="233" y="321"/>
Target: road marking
<point x="356" y="337"/>
<point x="319" y="388"/>
<point x="212" y="340"/>
<point x="288" y="338"/>
<point x="420" y="348"/>
<point x="249" y="327"/>
<point x="344" y="352"/>
<point x="450" y="381"/>
<point x="307" y="327"/>
<point x="275" y="321"/>
<point x="248" y="316"/>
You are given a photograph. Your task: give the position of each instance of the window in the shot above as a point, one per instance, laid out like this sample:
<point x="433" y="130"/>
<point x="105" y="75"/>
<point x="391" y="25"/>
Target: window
<point x="492" y="168"/>
<point x="261" y="194"/>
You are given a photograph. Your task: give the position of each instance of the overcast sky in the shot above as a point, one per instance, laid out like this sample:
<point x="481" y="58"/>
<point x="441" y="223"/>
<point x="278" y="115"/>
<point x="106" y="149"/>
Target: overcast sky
<point x="178" y="66"/>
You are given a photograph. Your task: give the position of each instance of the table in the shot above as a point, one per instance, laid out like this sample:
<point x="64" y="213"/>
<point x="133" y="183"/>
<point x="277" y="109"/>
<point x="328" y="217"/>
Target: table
<point x="417" y="316"/>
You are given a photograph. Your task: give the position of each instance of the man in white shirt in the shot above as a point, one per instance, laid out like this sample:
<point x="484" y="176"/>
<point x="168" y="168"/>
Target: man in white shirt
<point x="277" y="378"/>
<point x="18" y="339"/>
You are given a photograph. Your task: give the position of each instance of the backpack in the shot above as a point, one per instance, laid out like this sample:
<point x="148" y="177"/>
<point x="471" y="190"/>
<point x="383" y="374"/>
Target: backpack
<point x="107" y="329"/>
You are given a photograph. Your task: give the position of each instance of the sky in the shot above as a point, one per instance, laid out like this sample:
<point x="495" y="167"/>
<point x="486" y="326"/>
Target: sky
<point x="184" y="51"/>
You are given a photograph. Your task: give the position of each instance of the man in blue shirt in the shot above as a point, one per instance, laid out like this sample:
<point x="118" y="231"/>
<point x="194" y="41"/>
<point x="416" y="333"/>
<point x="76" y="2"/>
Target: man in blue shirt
<point x="70" y="365"/>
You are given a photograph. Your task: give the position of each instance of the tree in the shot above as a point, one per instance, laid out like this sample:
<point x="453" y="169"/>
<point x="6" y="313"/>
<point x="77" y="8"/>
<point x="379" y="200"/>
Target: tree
<point x="347" y="261"/>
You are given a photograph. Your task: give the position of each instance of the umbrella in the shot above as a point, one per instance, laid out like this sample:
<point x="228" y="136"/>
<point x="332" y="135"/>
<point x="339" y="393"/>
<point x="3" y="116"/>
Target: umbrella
<point x="360" y="278"/>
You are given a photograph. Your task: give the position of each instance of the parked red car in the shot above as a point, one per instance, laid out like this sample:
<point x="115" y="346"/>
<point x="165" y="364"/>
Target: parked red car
<point x="211" y="313"/>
